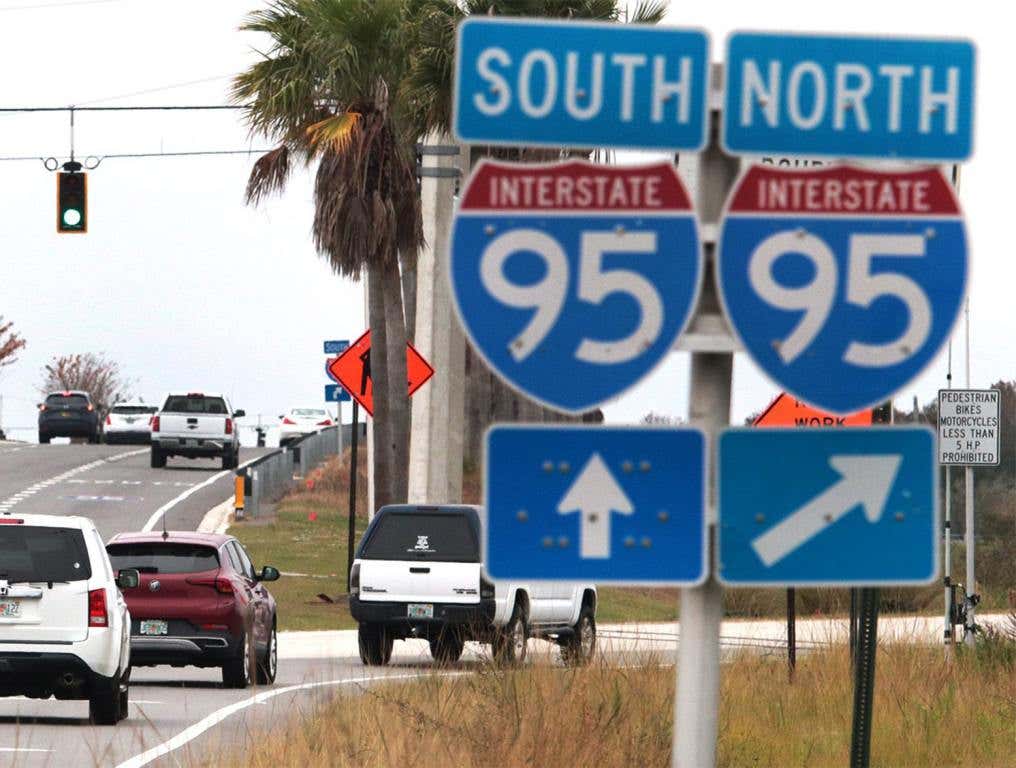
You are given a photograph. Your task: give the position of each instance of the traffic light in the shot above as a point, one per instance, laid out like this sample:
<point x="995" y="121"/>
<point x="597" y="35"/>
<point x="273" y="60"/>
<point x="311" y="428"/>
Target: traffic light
<point x="72" y="202"/>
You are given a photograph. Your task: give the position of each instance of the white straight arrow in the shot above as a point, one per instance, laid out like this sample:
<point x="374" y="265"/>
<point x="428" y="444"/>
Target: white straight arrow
<point x="864" y="480"/>
<point x="594" y="495"/>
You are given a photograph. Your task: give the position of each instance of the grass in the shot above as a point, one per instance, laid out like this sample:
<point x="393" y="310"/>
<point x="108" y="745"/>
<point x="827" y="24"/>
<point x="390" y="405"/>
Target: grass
<point x="925" y="713"/>
<point x="294" y="543"/>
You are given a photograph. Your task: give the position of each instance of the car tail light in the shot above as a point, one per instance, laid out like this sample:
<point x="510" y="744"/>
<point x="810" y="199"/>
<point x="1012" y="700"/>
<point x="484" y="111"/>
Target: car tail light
<point x="155" y="423"/>
<point x="109" y="420"/>
<point x="11" y="521"/>
<point x="97" y="616"/>
<point x="325" y="423"/>
<point x="222" y="586"/>
<point x="42" y="407"/>
<point x="214" y="627"/>
<point x="229" y="426"/>
<point x="354" y="579"/>
<point x="288" y="420"/>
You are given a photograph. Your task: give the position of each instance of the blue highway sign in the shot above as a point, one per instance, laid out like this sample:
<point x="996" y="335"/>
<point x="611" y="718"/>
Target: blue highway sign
<point x="573" y="280"/>
<point x="834" y="507"/>
<point x="592" y="503"/>
<point x="580" y="84"/>
<point x="849" y="96"/>
<point x="842" y="283"/>
<point x="336" y="346"/>
<point x="336" y="394"/>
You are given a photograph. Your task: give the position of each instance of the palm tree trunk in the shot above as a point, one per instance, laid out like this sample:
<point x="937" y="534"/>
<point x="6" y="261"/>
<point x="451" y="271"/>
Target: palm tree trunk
<point x="383" y="459"/>
<point x="398" y="397"/>
<point x="408" y="264"/>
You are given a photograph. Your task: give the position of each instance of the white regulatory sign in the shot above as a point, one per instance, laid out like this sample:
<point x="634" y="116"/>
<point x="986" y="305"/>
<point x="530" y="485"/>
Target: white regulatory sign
<point x="968" y="426"/>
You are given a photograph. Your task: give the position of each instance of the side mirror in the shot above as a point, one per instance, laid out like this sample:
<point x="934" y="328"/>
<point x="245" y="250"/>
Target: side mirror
<point x="239" y="414"/>
<point x="268" y="573"/>
<point x="128" y="578"/>
<point x="282" y="415"/>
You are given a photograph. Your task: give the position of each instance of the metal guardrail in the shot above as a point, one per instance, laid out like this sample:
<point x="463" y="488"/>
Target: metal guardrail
<point x="266" y="480"/>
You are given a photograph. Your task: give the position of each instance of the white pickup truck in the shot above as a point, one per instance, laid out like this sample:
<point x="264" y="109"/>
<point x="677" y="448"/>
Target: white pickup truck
<point x="196" y="424"/>
<point x="418" y="574"/>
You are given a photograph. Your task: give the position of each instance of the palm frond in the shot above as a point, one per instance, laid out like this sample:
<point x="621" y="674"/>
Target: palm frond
<point x="268" y="175"/>
<point x="334" y="133"/>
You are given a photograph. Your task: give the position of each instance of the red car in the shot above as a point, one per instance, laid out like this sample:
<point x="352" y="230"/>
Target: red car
<point x="199" y="603"/>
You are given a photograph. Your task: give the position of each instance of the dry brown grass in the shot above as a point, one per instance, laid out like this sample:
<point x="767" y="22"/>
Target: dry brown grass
<point x="926" y="714"/>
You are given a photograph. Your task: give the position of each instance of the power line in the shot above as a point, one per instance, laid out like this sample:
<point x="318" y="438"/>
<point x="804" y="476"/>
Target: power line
<point x="164" y="107"/>
<point x="160" y="88"/>
<point x="131" y="155"/>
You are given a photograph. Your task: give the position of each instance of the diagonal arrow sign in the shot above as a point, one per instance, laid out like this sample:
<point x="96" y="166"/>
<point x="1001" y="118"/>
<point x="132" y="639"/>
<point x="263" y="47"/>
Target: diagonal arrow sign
<point x="864" y="481"/>
<point x="594" y="495"/>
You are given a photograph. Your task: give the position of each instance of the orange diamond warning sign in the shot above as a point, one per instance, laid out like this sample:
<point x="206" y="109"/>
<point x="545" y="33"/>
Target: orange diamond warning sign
<point x="786" y="411"/>
<point x="352" y="370"/>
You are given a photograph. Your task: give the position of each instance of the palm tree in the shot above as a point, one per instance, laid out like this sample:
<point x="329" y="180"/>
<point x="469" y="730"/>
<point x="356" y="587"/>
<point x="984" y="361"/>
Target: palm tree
<point x="429" y="86"/>
<point x="329" y="90"/>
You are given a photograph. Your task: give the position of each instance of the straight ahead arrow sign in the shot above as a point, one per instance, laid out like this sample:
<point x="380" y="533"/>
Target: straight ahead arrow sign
<point x="594" y="495"/>
<point x="864" y="481"/>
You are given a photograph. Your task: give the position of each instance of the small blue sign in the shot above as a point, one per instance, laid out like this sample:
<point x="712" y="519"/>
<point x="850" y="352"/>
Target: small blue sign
<point x="336" y="347"/>
<point x="828" y="507"/>
<point x="843" y="283"/>
<point x="611" y="505"/>
<point x="580" y="84"/>
<point x="904" y="98"/>
<point x="573" y="280"/>
<point x="336" y="394"/>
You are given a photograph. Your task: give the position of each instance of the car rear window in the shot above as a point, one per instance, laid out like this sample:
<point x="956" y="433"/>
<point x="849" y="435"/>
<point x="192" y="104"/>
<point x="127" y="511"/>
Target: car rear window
<point x="66" y="401"/>
<point x="40" y="553"/>
<point x="195" y="404"/>
<point x="423" y="536"/>
<point x="159" y="557"/>
<point x="133" y="410"/>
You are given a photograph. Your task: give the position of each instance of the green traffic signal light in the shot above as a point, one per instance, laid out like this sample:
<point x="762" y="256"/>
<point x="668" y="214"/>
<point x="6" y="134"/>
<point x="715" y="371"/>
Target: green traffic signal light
<point x="72" y="202"/>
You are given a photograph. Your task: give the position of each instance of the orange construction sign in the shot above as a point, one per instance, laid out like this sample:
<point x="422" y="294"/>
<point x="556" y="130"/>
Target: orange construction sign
<point x="785" y="411"/>
<point x="352" y="370"/>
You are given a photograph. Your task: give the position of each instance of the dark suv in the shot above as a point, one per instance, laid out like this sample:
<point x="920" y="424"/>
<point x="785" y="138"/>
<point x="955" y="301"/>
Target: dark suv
<point x="68" y="414"/>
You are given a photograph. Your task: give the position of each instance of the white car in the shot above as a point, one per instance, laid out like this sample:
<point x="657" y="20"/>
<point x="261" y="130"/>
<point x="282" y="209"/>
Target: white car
<point x="417" y="574"/>
<point x="302" y="421"/>
<point x="196" y="425"/>
<point x="64" y="626"/>
<point x="129" y="422"/>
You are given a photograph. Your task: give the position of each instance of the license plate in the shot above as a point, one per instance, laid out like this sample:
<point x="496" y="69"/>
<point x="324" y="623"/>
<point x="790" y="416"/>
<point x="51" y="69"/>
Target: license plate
<point x="65" y="414"/>
<point x="10" y="609"/>
<point x="421" y="611"/>
<point x="154" y="627"/>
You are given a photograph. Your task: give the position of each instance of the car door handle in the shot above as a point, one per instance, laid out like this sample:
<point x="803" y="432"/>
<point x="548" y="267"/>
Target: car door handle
<point x="419" y="570"/>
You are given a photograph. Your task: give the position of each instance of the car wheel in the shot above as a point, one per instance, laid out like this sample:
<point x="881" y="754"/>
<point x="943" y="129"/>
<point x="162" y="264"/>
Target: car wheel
<point x="579" y="649"/>
<point x="158" y="458"/>
<point x="236" y="671"/>
<point x="104" y="706"/>
<point x="93" y="439"/>
<point x="230" y="460"/>
<point x="375" y="643"/>
<point x="269" y="663"/>
<point x="125" y="687"/>
<point x="44" y="439"/>
<point x="511" y="642"/>
<point x="447" y="647"/>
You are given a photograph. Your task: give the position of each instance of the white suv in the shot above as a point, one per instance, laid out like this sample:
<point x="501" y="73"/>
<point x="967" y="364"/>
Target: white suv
<point x="64" y="626"/>
<point x="417" y="573"/>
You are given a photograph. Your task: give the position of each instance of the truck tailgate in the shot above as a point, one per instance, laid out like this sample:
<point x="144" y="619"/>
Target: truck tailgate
<point x="411" y="581"/>
<point x="196" y="425"/>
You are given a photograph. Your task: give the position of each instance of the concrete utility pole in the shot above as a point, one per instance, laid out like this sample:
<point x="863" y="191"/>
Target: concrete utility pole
<point x="435" y="447"/>
<point x="712" y="362"/>
<point x="968" y="476"/>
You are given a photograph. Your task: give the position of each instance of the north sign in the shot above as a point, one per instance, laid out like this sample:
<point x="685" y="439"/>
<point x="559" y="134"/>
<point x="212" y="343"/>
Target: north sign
<point x="827" y="507"/>
<point x="841" y="282"/>
<point x="849" y="96"/>
<point x="591" y="503"/>
<point x="573" y="280"/>
<point x="580" y="84"/>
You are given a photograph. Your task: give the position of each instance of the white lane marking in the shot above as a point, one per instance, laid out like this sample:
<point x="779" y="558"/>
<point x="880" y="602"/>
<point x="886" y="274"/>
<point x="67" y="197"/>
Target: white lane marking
<point x="23" y="749"/>
<point x="218" y="518"/>
<point x="192" y="732"/>
<point x="31" y="490"/>
<point x="157" y="514"/>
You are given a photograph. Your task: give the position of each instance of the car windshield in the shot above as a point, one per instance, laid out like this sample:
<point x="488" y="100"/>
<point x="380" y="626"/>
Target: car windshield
<point x="66" y="401"/>
<point x="159" y="557"/>
<point x="40" y="553"/>
<point x="308" y="413"/>
<point x="133" y="410"/>
<point x="195" y="404"/>
<point x="446" y="537"/>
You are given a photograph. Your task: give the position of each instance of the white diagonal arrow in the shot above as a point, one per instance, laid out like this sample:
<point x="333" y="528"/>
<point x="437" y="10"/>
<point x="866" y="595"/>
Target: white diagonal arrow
<point x="864" y="480"/>
<point x="594" y="495"/>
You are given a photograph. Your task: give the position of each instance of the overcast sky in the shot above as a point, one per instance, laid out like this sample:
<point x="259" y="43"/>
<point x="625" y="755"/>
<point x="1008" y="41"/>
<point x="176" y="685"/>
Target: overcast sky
<point x="186" y="287"/>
